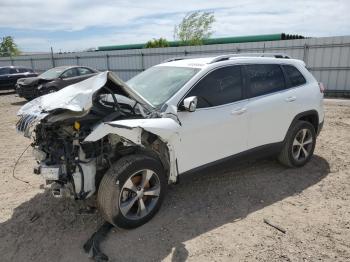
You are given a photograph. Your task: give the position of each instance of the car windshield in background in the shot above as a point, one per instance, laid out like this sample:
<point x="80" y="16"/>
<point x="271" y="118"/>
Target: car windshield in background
<point x="52" y="73"/>
<point x="159" y="83"/>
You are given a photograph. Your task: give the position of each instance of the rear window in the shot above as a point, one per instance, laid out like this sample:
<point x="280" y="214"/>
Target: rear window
<point x="84" y="71"/>
<point x="23" y="70"/>
<point x="294" y="76"/>
<point x="264" y="79"/>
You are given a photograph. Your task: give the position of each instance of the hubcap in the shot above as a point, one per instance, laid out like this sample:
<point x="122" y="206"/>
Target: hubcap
<point x="139" y="194"/>
<point x="302" y="144"/>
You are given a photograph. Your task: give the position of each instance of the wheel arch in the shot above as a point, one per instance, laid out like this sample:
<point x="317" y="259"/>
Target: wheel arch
<point x="150" y="134"/>
<point x="310" y="116"/>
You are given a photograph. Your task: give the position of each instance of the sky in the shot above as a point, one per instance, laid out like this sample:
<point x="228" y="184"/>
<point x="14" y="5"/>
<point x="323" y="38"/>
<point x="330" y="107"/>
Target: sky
<point x="73" y="25"/>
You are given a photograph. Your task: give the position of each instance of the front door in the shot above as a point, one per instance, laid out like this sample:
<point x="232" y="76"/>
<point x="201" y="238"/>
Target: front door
<point x="218" y="127"/>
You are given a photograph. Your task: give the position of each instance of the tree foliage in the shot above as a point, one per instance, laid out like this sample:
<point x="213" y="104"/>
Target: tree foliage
<point x="154" y="43"/>
<point x="8" y="47"/>
<point x="194" y="28"/>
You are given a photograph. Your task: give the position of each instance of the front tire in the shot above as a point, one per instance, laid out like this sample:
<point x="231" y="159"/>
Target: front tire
<point x="28" y="98"/>
<point x="299" y="146"/>
<point x="132" y="191"/>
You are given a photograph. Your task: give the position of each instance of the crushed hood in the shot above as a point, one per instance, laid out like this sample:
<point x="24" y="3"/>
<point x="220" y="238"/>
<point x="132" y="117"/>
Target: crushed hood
<point x="29" y="80"/>
<point x="78" y="97"/>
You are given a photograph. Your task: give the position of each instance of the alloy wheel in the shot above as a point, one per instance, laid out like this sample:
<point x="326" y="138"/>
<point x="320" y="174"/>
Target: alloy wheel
<point x="139" y="194"/>
<point x="302" y="144"/>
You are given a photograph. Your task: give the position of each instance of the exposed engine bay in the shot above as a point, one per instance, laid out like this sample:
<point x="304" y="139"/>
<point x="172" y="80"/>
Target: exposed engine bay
<point x="68" y="162"/>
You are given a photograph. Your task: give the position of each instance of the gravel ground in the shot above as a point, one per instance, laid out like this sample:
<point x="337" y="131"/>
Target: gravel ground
<point x="213" y="216"/>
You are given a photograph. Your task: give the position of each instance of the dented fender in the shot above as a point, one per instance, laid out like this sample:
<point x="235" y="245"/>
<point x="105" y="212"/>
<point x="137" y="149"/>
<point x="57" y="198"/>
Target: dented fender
<point x="131" y="129"/>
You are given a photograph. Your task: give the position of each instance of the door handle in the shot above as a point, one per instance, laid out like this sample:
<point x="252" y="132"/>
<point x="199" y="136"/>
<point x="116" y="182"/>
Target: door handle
<point x="291" y="99"/>
<point x="238" y="111"/>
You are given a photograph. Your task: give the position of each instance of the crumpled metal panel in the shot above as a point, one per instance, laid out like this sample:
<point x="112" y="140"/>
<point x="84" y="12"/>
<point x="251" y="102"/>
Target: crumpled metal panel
<point x="77" y="97"/>
<point x="27" y="122"/>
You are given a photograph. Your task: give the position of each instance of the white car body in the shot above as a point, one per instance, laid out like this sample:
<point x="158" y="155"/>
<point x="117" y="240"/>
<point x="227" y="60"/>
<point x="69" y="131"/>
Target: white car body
<point x="211" y="134"/>
<point x="207" y="135"/>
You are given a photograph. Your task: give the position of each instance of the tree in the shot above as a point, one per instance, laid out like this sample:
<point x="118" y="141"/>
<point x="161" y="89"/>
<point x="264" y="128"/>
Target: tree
<point x="194" y="28"/>
<point x="8" y="47"/>
<point x="161" y="42"/>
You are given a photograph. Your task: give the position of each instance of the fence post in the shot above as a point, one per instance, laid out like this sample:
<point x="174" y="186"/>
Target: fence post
<point x="107" y="62"/>
<point x="11" y="59"/>
<point x="32" y="64"/>
<point x="305" y="54"/>
<point x="77" y="57"/>
<point x="142" y="62"/>
<point x="52" y="58"/>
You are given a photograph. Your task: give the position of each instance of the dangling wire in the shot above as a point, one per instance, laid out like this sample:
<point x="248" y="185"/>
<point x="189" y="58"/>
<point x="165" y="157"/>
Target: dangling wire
<point x="14" y="167"/>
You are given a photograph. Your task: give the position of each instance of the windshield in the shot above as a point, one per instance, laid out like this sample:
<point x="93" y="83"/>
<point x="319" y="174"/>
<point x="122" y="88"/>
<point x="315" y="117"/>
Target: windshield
<point x="159" y="83"/>
<point x="52" y="73"/>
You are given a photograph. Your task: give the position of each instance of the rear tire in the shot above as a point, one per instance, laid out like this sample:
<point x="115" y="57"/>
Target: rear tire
<point x="132" y="191"/>
<point x="299" y="145"/>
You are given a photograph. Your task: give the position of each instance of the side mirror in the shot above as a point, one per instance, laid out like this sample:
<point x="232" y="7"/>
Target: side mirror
<point x="190" y="103"/>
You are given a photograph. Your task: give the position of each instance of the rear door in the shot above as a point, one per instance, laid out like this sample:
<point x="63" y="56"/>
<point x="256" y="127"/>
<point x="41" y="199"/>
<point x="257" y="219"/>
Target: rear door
<point x="85" y="72"/>
<point x="69" y="77"/>
<point x="218" y="127"/>
<point x="271" y="106"/>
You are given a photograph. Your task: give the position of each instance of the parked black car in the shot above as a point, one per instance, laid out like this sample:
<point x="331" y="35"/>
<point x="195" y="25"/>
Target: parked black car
<point x="52" y="80"/>
<point x="10" y="74"/>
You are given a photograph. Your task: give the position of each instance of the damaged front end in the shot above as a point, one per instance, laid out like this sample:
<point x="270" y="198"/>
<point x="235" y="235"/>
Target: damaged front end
<point x="80" y="130"/>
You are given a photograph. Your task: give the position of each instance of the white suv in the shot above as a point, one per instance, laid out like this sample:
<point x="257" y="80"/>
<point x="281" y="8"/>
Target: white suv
<point x="129" y="140"/>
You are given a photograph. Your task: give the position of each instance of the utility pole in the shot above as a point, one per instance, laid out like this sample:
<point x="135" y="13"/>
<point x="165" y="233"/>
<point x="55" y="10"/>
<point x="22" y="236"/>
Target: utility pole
<point x="52" y="58"/>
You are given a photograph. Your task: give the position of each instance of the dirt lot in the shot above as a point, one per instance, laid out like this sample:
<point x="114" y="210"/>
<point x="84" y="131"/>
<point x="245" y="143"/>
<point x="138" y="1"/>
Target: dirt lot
<point x="216" y="216"/>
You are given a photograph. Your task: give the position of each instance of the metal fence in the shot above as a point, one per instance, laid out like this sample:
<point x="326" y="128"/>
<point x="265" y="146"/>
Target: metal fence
<point x="328" y="58"/>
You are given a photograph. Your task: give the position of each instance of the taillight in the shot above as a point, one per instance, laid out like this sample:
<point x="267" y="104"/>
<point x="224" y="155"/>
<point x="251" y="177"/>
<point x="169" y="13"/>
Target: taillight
<point x="321" y="86"/>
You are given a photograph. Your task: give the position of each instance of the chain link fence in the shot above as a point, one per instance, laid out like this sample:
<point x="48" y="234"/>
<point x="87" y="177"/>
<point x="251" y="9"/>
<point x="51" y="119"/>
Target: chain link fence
<point x="328" y="58"/>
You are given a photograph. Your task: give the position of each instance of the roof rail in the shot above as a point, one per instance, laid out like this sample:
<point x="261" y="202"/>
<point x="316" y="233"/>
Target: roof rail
<point x="176" y="59"/>
<point x="227" y="57"/>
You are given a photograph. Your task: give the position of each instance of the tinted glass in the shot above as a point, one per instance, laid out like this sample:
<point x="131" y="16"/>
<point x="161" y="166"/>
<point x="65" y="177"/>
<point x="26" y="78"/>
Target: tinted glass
<point x="4" y="71"/>
<point x="84" y="71"/>
<point x="265" y="79"/>
<point x="13" y="71"/>
<point x="220" y="87"/>
<point x="23" y="70"/>
<point x="69" y="73"/>
<point x="294" y="75"/>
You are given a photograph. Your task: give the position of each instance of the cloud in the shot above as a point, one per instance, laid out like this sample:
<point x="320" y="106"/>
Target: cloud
<point x="79" y="24"/>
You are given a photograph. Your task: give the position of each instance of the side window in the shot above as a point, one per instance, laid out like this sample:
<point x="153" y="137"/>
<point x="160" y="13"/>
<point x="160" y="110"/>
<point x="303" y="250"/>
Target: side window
<point x="69" y="73"/>
<point x="219" y="87"/>
<point x="264" y="79"/>
<point x="84" y="71"/>
<point x="13" y="71"/>
<point x="4" y="71"/>
<point x="23" y="70"/>
<point x="294" y="76"/>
